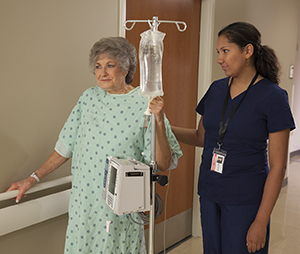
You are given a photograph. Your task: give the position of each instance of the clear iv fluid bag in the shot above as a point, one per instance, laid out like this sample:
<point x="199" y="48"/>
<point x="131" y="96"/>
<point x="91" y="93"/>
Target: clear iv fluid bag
<point x="150" y="56"/>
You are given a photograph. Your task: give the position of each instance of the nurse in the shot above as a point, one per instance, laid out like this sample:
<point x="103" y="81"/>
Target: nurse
<point x="243" y="116"/>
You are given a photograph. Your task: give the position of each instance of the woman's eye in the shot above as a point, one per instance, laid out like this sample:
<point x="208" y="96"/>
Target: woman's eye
<point x="98" y="66"/>
<point x="225" y="50"/>
<point x="110" y="66"/>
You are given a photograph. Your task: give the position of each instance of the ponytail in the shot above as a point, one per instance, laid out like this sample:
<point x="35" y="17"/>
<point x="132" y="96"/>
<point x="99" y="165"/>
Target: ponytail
<point x="266" y="63"/>
<point x="265" y="59"/>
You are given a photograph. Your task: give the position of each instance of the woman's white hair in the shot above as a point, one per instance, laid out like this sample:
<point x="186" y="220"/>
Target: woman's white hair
<point x="119" y="49"/>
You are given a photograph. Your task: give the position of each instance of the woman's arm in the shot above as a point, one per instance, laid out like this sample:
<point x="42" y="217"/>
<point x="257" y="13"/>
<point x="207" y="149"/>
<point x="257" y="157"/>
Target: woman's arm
<point x="194" y="137"/>
<point x="278" y="151"/>
<point x="53" y="162"/>
<point x="163" y="149"/>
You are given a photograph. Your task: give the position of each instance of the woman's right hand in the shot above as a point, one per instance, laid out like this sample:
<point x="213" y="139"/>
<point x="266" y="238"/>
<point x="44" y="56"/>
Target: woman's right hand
<point x="22" y="187"/>
<point x="54" y="161"/>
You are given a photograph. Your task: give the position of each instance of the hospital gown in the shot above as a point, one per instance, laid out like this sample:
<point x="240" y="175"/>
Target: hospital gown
<point x="101" y="125"/>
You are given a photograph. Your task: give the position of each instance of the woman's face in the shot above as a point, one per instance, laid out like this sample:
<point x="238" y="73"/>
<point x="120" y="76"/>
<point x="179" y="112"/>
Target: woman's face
<point x="232" y="59"/>
<point x="110" y="77"/>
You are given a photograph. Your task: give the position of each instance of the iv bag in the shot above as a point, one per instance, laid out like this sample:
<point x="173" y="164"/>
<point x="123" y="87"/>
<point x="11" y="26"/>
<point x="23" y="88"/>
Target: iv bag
<point x="150" y="56"/>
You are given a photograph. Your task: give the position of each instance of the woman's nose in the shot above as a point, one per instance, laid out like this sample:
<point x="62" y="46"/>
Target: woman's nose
<point x="103" y="71"/>
<point x="219" y="59"/>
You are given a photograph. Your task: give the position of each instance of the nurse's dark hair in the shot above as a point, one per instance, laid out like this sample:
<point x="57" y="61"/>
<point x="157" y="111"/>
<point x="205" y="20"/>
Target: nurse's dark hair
<point x="118" y="49"/>
<point x="265" y="59"/>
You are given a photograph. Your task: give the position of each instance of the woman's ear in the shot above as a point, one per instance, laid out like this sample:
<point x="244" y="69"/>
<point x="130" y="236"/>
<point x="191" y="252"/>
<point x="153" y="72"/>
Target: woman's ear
<point x="249" y="50"/>
<point x="125" y="72"/>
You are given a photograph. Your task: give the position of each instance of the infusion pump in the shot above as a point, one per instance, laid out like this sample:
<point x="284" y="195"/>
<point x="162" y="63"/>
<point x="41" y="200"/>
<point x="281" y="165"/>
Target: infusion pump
<point x="126" y="186"/>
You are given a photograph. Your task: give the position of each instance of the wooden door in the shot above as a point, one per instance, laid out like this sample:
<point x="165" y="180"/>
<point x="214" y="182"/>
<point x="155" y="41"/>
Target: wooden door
<point x="180" y="81"/>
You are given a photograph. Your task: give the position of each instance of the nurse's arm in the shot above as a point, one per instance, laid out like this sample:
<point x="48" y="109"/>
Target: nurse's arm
<point x="194" y="137"/>
<point x="54" y="161"/>
<point x="278" y="151"/>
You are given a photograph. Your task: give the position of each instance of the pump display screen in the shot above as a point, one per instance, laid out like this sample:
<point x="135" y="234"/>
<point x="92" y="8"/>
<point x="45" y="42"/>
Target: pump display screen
<point x="112" y="180"/>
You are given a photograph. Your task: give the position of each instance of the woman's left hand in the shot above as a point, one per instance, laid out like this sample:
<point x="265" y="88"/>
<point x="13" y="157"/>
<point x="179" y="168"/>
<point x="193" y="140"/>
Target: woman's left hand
<point x="156" y="106"/>
<point x="278" y="151"/>
<point x="256" y="237"/>
<point x="163" y="149"/>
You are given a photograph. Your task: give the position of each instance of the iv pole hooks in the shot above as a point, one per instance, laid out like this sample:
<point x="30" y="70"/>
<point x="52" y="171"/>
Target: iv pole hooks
<point x="153" y="21"/>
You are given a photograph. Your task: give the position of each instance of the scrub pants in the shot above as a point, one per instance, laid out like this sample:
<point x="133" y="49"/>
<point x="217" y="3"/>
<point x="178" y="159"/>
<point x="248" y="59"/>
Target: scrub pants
<point x="225" y="227"/>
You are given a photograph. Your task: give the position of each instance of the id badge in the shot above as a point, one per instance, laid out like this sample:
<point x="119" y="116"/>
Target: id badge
<point x="218" y="160"/>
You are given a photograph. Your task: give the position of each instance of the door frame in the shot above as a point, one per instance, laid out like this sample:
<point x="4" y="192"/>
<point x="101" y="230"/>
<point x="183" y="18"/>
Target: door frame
<point x="206" y="48"/>
<point x="204" y="80"/>
<point x="122" y="17"/>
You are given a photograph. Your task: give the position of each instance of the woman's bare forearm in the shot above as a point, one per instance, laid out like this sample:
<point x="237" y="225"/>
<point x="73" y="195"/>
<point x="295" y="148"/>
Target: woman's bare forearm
<point x="194" y="137"/>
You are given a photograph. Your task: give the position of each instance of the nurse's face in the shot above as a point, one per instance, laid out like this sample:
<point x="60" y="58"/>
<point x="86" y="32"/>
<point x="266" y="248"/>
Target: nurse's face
<point x="110" y="77"/>
<point x="232" y="58"/>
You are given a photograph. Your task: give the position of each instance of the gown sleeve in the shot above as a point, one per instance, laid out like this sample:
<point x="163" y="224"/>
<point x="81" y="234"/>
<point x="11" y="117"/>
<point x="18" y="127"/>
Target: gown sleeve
<point x="67" y="137"/>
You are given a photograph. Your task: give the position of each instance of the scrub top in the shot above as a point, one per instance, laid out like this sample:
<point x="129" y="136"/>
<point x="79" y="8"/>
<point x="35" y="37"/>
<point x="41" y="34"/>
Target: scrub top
<point x="264" y="110"/>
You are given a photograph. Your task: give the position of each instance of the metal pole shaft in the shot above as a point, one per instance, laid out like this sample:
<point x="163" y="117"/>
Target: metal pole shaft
<point x="154" y="24"/>
<point x="151" y="238"/>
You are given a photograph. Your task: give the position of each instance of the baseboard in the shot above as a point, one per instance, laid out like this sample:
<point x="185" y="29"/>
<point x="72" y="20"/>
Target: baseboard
<point x="294" y="153"/>
<point x="284" y="182"/>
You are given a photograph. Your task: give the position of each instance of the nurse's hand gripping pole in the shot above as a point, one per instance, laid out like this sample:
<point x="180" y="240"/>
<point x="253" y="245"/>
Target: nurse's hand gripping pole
<point x="150" y="56"/>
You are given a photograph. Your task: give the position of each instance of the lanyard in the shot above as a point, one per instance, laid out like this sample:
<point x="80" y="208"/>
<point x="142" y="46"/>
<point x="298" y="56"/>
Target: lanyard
<point x="223" y="128"/>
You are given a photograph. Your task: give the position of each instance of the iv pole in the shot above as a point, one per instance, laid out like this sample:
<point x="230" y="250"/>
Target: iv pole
<point x="154" y="23"/>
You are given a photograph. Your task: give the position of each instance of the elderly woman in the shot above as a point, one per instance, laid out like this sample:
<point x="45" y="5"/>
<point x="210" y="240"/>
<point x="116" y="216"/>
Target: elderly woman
<point x="108" y="120"/>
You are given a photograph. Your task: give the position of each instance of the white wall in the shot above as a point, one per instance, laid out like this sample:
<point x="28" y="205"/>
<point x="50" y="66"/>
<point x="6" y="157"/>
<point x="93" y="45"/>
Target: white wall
<point x="295" y="136"/>
<point x="44" y="69"/>
<point x="44" y="50"/>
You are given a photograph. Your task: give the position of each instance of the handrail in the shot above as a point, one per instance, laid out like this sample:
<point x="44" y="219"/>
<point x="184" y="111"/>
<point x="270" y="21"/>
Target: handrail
<point x="38" y="187"/>
<point x="34" y="211"/>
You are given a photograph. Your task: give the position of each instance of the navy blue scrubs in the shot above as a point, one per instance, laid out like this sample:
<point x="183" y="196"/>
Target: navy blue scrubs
<point x="264" y="110"/>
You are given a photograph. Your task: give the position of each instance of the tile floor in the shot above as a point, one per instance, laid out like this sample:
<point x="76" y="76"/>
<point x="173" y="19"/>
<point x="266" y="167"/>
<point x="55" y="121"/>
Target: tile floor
<point x="285" y="220"/>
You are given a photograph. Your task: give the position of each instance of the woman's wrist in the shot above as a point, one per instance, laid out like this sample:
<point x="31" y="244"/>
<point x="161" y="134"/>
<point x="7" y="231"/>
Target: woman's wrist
<point x="33" y="175"/>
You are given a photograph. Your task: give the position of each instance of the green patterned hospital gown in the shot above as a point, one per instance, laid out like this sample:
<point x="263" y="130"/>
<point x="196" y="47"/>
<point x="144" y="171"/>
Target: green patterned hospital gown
<point x="101" y="125"/>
